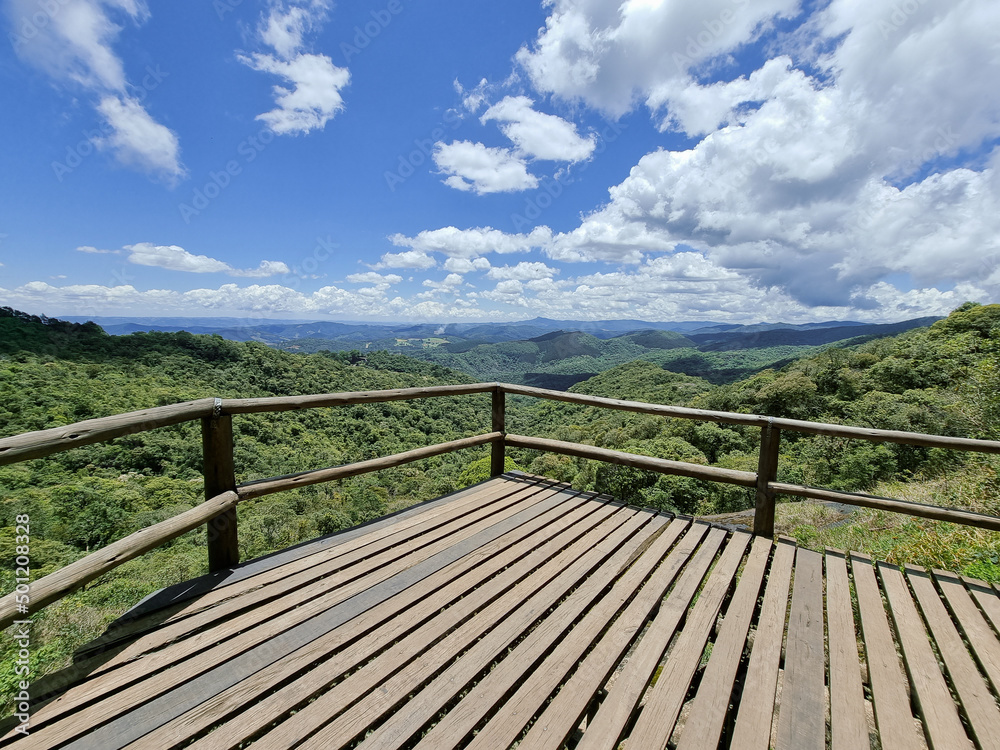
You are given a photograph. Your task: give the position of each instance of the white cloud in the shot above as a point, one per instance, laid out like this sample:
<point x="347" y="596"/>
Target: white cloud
<point x="612" y="55"/>
<point x="96" y="251"/>
<point x="174" y="258"/>
<point x="371" y="277"/>
<point x="75" y="45"/>
<point x="265" y="269"/>
<point x="463" y="265"/>
<point x="818" y="185"/>
<point x="136" y="139"/>
<point x="407" y="259"/>
<point x="523" y="271"/>
<point x="481" y="169"/>
<point x="473" y="243"/>
<point x="538" y="135"/>
<point x="449" y="284"/>
<point x="314" y="98"/>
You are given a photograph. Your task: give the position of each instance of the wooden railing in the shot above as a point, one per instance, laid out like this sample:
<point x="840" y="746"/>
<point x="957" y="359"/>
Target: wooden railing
<point x="222" y="493"/>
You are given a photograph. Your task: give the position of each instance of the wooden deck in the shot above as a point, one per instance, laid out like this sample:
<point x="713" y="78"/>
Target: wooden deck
<point x="521" y="612"/>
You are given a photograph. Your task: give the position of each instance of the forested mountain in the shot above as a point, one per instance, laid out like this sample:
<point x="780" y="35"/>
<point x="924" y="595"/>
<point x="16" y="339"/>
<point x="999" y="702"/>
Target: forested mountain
<point x="944" y="379"/>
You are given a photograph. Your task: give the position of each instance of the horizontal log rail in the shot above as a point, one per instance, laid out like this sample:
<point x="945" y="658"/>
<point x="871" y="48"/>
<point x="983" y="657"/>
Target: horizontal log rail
<point x="756" y="420"/>
<point x="261" y="487"/>
<point x="55" y="586"/>
<point x="661" y="465"/>
<point x="291" y="403"/>
<point x="224" y="495"/>
<point x="43" y="443"/>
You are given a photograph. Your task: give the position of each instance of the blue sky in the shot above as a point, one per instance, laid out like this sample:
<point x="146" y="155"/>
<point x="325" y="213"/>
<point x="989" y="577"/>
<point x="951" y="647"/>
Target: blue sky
<point x="734" y="160"/>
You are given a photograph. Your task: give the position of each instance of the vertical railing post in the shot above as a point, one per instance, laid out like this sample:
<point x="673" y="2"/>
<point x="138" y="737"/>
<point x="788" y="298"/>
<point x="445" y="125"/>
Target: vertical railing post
<point x="498" y="449"/>
<point x="767" y="472"/>
<point x="220" y="476"/>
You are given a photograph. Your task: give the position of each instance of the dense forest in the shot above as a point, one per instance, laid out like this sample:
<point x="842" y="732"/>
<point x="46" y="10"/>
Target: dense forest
<point x="942" y="379"/>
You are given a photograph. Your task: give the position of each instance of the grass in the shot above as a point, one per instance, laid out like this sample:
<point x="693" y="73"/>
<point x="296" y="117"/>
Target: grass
<point x="902" y="539"/>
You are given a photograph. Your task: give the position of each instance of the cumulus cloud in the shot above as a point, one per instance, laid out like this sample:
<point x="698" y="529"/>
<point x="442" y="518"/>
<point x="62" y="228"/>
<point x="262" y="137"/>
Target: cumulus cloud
<point x="473" y="243"/>
<point x="538" y="135"/>
<point x="464" y="265"/>
<point x="852" y="154"/>
<point x="314" y="97"/>
<point x="378" y="279"/>
<point x="75" y="45"/>
<point x="174" y="258"/>
<point x="524" y="271"/>
<point x="406" y="259"/>
<point x="611" y="56"/>
<point x="138" y="140"/>
<point x="481" y="169"/>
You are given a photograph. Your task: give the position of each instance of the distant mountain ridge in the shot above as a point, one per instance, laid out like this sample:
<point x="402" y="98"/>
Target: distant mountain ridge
<point x="275" y="332"/>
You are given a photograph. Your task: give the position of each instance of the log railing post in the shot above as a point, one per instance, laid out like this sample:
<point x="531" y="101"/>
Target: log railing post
<point x="220" y="476"/>
<point x="498" y="449"/>
<point x="767" y="472"/>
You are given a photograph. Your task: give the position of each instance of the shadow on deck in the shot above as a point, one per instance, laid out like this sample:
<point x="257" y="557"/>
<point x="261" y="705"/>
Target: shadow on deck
<point x="523" y="611"/>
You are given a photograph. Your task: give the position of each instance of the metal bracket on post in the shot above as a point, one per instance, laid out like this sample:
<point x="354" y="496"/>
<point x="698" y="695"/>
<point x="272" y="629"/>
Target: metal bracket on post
<point x="767" y="472"/>
<point x="498" y="449"/>
<point x="220" y="476"/>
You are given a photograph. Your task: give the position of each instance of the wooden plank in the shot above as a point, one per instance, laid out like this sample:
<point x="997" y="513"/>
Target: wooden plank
<point x="665" y="698"/>
<point x="261" y="487"/>
<point x="41" y="443"/>
<point x="937" y="709"/>
<point x="220" y="666"/>
<point x="848" y="722"/>
<point x="117" y="636"/>
<point x="563" y="712"/>
<point x="537" y="681"/>
<point x="459" y="586"/>
<point x="974" y="694"/>
<point x="977" y="631"/>
<point x="752" y="730"/>
<point x="704" y="724"/>
<point x="617" y="708"/>
<point x="755" y="420"/>
<point x="987" y="598"/>
<point x="921" y="510"/>
<point x="163" y="606"/>
<point x="292" y="403"/>
<point x="890" y="699"/>
<point x="66" y="580"/>
<point x="426" y="704"/>
<point x="478" y="640"/>
<point x="802" y="714"/>
<point x="270" y="601"/>
<point x="662" y="465"/>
